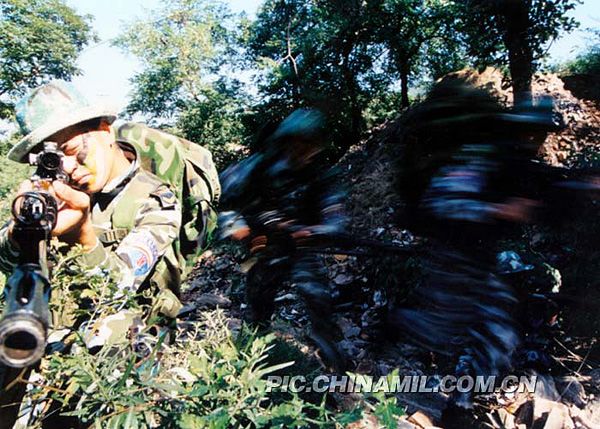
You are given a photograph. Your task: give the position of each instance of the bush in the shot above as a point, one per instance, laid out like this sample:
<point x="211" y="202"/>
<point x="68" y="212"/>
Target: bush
<point x="204" y="380"/>
<point x="208" y="377"/>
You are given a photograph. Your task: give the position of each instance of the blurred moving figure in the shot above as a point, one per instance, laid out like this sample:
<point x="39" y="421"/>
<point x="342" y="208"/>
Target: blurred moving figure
<point x="469" y="178"/>
<point x="281" y="202"/>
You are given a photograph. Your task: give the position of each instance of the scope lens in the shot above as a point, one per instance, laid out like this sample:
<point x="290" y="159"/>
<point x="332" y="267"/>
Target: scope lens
<point x="50" y="160"/>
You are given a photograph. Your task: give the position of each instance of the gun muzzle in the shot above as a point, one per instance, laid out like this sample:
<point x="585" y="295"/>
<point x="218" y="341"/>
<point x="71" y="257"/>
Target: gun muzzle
<point x="23" y="327"/>
<point x="22" y="340"/>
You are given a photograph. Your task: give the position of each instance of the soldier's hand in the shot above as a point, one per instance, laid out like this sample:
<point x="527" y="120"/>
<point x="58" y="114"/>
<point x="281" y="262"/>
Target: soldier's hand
<point x="519" y="210"/>
<point x="304" y="236"/>
<point x="73" y="223"/>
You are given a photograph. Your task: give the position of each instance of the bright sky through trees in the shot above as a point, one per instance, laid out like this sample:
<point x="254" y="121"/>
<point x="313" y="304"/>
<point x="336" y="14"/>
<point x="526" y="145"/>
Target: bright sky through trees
<point x="106" y="71"/>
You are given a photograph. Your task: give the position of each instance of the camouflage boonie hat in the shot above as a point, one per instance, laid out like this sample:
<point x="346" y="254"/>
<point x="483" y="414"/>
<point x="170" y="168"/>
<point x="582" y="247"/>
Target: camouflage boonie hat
<point x="49" y="109"/>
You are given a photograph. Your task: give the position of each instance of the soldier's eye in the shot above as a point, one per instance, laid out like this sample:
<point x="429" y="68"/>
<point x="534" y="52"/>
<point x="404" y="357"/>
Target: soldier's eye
<point x="69" y="151"/>
<point x="71" y="148"/>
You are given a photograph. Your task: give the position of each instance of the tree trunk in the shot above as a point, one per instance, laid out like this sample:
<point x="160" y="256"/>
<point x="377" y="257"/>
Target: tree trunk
<point x="353" y="91"/>
<point x="515" y="16"/>
<point x="404" y="69"/>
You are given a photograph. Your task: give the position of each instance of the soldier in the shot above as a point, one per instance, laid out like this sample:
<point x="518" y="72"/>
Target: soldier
<point x="288" y="203"/>
<point x="108" y="187"/>
<point x="470" y="180"/>
<point x="466" y="163"/>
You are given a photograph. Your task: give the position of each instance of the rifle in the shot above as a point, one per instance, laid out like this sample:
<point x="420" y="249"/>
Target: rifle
<point x="24" y="324"/>
<point x="323" y="243"/>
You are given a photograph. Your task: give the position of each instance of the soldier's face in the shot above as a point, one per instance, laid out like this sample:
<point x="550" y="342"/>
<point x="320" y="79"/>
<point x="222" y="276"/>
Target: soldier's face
<point x="89" y="156"/>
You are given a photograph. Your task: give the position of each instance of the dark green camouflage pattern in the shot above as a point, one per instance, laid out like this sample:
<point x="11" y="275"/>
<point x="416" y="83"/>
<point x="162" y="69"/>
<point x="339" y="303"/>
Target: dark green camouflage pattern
<point x="190" y="171"/>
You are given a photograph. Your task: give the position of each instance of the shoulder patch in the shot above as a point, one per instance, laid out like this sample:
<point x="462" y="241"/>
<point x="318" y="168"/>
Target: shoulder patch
<point x="140" y="251"/>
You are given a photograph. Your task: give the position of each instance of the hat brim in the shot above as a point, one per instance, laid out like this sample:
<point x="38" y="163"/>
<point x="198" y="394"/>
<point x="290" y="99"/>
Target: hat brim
<point x="20" y="151"/>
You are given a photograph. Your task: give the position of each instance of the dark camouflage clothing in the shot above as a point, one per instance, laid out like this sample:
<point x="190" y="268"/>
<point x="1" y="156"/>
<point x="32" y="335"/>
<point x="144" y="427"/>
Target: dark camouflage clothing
<point x="289" y="202"/>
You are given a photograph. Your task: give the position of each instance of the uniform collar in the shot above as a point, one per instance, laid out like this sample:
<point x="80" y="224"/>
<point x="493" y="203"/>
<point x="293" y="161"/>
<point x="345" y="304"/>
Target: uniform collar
<point x="119" y="182"/>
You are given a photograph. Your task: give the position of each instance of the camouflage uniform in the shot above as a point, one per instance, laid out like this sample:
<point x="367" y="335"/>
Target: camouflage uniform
<point x="278" y="196"/>
<point x="146" y="256"/>
<point x="460" y="309"/>
<point x="146" y="220"/>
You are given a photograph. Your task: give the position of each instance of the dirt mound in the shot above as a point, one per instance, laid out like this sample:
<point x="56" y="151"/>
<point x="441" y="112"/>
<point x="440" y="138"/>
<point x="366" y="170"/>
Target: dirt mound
<point x="581" y="117"/>
<point x="368" y="174"/>
<point x="490" y="79"/>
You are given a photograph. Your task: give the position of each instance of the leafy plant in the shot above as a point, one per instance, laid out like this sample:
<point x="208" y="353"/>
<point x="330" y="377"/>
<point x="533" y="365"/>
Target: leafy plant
<point x="587" y="62"/>
<point x="188" y="52"/>
<point x="206" y="377"/>
<point x="26" y="58"/>
<point x="382" y="405"/>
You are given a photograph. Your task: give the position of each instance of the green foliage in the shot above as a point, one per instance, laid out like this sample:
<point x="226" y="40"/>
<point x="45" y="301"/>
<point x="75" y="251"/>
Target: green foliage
<point x="39" y="40"/>
<point x="381" y="107"/>
<point x="587" y="62"/>
<point x="513" y="33"/>
<point x="206" y="378"/>
<point x="418" y="35"/>
<point x="383" y="406"/>
<point x="216" y="123"/>
<point x="78" y="295"/>
<point x="348" y="58"/>
<point x="354" y="60"/>
<point x="186" y="47"/>
<point x="11" y="176"/>
<point x="179" y="46"/>
<point x="317" y="54"/>
<point x="485" y="25"/>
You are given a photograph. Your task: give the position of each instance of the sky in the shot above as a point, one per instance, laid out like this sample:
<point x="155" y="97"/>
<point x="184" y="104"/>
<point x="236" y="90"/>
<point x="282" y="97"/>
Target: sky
<point x="106" y="70"/>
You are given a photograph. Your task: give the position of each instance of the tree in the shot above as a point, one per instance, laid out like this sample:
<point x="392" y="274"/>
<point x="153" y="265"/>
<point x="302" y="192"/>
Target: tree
<point x="346" y="56"/>
<point x="588" y="61"/>
<point x="418" y="35"/>
<point x="39" y="40"/>
<point x="187" y="48"/>
<point x="321" y="54"/>
<point x="514" y="33"/>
